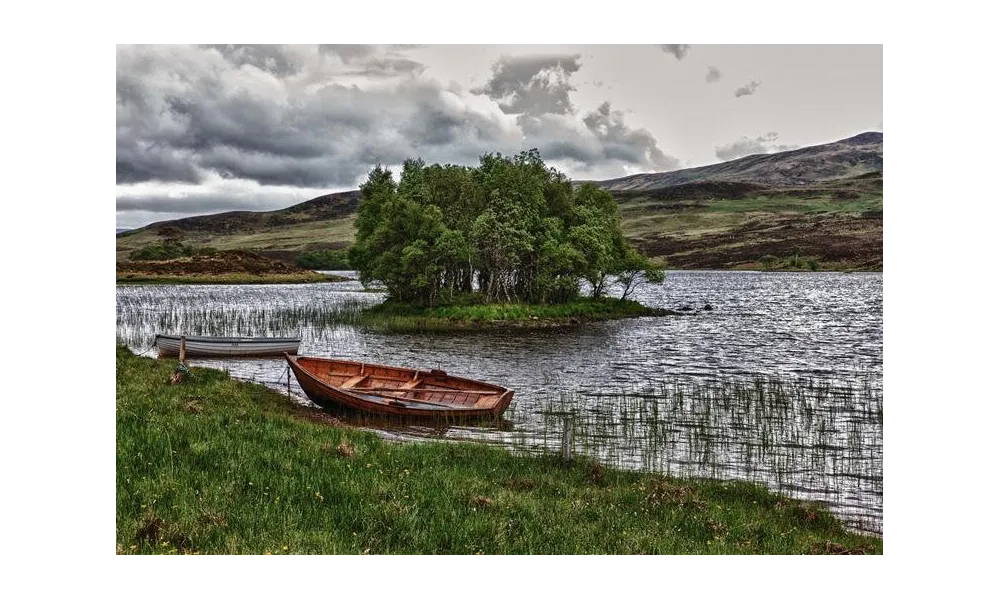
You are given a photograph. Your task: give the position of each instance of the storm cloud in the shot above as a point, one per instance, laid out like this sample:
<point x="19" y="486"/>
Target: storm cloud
<point x="348" y="52"/>
<point x="537" y="88"/>
<point x="242" y="127"/>
<point x="600" y="147"/>
<point x="713" y="75"/>
<point x="745" y="146"/>
<point x="533" y="85"/>
<point x="372" y="61"/>
<point x="633" y="146"/>
<point x="185" y="114"/>
<point x="678" y="50"/>
<point x="216" y="196"/>
<point x="272" y="59"/>
<point x="747" y="89"/>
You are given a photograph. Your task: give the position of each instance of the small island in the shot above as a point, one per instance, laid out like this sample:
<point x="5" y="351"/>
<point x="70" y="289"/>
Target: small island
<point x="508" y="243"/>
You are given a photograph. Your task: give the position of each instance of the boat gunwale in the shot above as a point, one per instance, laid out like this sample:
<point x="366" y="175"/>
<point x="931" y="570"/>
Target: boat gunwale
<point x="229" y="340"/>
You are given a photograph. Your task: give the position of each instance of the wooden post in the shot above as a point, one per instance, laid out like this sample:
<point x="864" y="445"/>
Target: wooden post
<point x="288" y="381"/>
<point x="178" y="373"/>
<point x="567" y="438"/>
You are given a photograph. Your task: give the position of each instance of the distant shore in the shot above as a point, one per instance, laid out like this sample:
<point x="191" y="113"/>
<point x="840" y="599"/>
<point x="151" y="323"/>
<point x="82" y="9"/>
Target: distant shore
<point x="228" y="267"/>
<point x="131" y="278"/>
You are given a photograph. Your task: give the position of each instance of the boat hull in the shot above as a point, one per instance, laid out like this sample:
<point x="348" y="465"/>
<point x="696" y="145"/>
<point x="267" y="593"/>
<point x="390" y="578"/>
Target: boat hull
<point x="434" y="395"/>
<point x="194" y="346"/>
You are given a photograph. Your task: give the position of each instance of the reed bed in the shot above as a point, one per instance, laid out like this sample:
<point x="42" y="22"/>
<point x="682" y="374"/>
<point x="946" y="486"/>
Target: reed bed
<point x="144" y="313"/>
<point x="812" y="439"/>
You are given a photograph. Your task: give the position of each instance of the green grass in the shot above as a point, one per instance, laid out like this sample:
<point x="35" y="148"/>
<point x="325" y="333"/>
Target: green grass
<point x="298" y="236"/>
<point x="401" y="316"/>
<point x="225" y="278"/>
<point x="692" y="223"/>
<point x="216" y="466"/>
<point x="644" y="216"/>
<point x="294" y="237"/>
<point x="818" y="203"/>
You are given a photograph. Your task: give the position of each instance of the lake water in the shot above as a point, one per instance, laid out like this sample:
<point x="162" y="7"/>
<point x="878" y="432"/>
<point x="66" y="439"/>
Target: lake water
<point x="779" y="382"/>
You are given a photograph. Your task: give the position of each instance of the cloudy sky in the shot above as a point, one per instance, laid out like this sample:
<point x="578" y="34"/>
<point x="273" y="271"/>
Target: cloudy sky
<point x="206" y="129"/>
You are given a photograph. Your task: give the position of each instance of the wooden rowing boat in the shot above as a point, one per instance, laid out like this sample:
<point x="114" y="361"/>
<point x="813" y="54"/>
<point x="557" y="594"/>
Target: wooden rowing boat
<point x="396" y="391"/>
<point x="169" y="345"/>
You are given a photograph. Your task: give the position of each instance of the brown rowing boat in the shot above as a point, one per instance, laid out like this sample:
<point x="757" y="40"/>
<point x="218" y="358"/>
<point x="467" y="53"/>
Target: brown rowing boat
<point x="396" y="391"/>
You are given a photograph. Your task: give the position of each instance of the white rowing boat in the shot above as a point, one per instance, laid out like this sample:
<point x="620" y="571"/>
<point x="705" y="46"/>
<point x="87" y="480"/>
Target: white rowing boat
<point x="170" y="345"/>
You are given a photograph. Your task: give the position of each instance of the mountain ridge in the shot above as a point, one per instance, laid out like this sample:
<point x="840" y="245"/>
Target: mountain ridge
<point x="821" y="201"/>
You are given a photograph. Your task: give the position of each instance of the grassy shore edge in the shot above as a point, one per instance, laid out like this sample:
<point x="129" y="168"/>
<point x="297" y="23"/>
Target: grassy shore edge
<point x="396" y="316"/>
<point x="215" y="465"/>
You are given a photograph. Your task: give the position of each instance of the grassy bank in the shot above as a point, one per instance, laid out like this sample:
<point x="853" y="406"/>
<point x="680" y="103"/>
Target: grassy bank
<point x="229" y="278"/>
<point x="196" y="266"/>
<point x="213" y="465"/>
<point x="397" y="316"/>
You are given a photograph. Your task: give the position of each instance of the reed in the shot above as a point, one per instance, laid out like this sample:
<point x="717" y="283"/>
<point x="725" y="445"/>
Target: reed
<point x="814" y="439"/>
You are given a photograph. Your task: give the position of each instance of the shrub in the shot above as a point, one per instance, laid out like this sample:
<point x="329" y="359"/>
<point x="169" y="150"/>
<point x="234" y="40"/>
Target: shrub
<point x="323" y="260"/>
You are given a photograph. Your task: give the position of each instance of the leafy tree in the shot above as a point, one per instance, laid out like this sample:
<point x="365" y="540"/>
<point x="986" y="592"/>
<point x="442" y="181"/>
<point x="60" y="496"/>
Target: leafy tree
<point x="323" y="259"/>
<point x="634" y="268"/>
<point x="510" y="230"/>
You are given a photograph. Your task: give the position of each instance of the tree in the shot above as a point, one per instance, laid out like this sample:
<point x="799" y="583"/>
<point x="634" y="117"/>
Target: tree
<point x="632" y="269"/>
<point x="512" y="227"/>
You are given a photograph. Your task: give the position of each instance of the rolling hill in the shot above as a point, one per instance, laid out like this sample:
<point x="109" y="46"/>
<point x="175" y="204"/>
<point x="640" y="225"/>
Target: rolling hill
<point x="820" y="203"/>
<point x="851" y="157"/>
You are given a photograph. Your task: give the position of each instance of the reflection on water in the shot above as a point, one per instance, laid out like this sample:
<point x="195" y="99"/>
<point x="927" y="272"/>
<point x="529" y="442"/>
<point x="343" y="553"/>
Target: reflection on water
<point x="811" y="341"/>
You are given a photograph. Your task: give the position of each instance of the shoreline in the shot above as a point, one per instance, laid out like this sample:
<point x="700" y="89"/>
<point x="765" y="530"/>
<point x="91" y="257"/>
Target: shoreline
<point x="760" y="270"/>
<point x="215" y="465"/>
<point x="227" y="279"/>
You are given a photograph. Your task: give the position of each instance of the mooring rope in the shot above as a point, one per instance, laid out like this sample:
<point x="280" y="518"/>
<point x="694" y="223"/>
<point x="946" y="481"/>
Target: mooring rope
<point x="282" y="379"/>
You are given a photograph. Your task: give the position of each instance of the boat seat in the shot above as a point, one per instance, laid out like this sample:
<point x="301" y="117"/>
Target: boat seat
<point x="353" y="381"/>
<point x="411" y="384"/>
